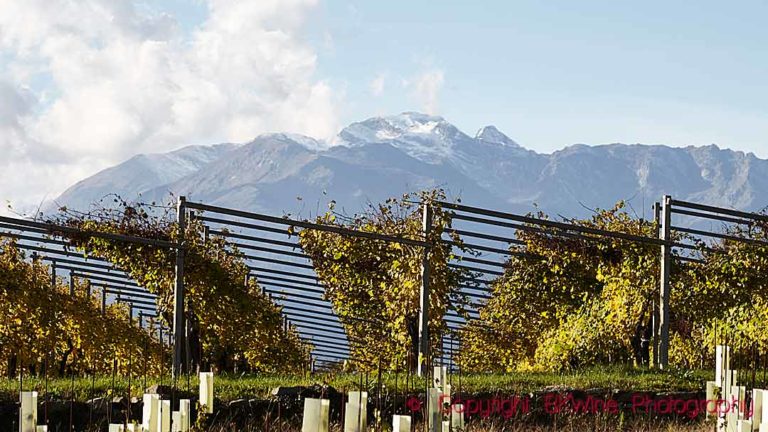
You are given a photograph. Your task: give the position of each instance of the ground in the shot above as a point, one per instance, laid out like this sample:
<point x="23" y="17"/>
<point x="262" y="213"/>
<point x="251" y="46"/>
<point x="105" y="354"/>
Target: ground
<point x="254" y="393"/>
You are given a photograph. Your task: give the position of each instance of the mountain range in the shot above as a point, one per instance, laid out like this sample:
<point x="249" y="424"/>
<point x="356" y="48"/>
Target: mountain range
<point x="382" y="157"/>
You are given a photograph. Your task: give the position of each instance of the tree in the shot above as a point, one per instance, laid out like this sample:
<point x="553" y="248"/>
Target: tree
<point x="374" y="285"/>
<point x="233" y="323"/>
<point x="566" y="301"/>
<point x="731" y="295"/>
<point x="44" y="327"/>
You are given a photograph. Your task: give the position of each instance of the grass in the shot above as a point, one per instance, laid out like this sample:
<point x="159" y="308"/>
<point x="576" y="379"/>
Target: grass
<point x="231" y="387"/>
<point x="575" y="425"/>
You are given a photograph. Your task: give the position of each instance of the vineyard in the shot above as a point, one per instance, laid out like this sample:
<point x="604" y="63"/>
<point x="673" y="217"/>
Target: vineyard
<point x="97" y="307"/>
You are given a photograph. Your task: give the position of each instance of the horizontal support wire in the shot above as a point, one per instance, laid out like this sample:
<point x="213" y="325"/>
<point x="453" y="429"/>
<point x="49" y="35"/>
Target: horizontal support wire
<point x="328" y="339"/>
<point x="719" y="210"/>
<point x="104" y="279"/>
<point x="292" y="304"/>
<point x="720" y="236"/>
<point x="260" y="277"/>
<point x="454" y="313"/>
<point x="79" y="268"/>
<point x="297" y="320"/>
<point x="452" y="320"/>
<point x="518" y="227"/>
<point x="136" y="306"/>
<point x="130" y="299"/>
<point x="271" y="260"/>
<point x="476" y="269"/>
<point x="309" y="313"/>
<point x="83" y="267"/>
<point x="283" y="273"/>
<point x="59" y="252"/>
<point x="14" y="227"/>
<point x="314" y="315"/>
<point x="35" y="239"/>
<point x="331" y="352"/>
<point x="478" y="284"/>
<point x="240" y="224"/>
<point x="327" y="360"/>
<point x="306" y="225"/>
<point x="482" y="288"/>
<point x="688" y="259"/>
<point x="484" y="236"/>
<point x="315" y="330"/>
<point x="689" y="246"/>
<point x="473" y="295"/>
<point x="482" y="261"/>
<point x="713" y="216"/>
<point x="453" y="316"/>
<point x="305" y="322"/>
<point x="336" y="336"/>
<point x="335" y="332"/>
<point x="292" y="287"/>
<point x="126" y="289"/>
<point x="325" y="350"/>
<point x="269" y="250"/>
<point x="328" y="364"/>
<point x="65" y="261"/>
<point x="57" y="229"/>
<point x="290" y="296"/>
<point x="550" y="224"/>
<point x="478" y="247"/>
<point x="255" y="239"/>
<point x="327" y="345"/>
<point x="132" y="295"/>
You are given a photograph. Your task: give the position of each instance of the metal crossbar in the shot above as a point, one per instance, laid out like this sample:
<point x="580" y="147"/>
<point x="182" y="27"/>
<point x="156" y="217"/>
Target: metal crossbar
<point x="48" y="242"/>
<point x="268" y="246"/>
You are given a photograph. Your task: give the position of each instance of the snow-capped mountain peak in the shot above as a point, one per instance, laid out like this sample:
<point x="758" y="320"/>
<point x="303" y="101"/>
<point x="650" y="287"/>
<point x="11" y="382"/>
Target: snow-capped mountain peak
<point x="491" y="135"/>
<point x="425" y="137"/>
<point x="379" y="129"/>
<point x="308" y="142"/>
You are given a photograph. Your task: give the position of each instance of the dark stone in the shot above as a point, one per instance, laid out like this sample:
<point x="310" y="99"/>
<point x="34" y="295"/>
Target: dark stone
<point x="97" y="402"/>
<point x="163" y="390"/>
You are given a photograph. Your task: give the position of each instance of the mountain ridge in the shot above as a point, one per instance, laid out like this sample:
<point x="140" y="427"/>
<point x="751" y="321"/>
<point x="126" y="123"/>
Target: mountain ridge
<point x="386" y="156"/>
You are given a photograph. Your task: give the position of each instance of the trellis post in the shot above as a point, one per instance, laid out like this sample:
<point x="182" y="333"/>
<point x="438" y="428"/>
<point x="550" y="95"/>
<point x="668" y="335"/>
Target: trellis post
<point x="424" y="294"/>
<point x="53" y="274"/>
<point x="179" y="327"/>
<point x="655" y="308"/>
<point x="665" y="285"/>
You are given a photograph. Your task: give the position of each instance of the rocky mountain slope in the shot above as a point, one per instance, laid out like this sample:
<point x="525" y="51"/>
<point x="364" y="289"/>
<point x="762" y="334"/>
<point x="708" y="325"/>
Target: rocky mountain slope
<point x="386" y="156"/>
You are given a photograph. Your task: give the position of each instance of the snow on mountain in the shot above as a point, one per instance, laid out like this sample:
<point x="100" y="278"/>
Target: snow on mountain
<point x="425" y="137"/>
<point x="491" y="135"/>
<point x="386" y="156"/>
<point x="276" y="174"/>
<point x="139" y="173"/>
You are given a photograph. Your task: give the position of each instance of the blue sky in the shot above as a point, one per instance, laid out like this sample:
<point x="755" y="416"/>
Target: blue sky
<point x="559" y="72"/>
<point x="548" y="73"/>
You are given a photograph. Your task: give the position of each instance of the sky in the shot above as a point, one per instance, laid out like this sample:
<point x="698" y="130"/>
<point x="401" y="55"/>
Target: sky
<point x="87" y="84"/>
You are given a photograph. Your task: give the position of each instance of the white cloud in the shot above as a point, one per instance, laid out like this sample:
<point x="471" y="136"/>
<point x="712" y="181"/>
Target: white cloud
<point x="377" y="85"/>
<point x="119" y="80"/>
<point x="425" y="89"/>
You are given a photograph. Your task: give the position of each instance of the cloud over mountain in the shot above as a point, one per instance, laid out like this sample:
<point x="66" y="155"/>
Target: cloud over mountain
<point x="89" y="83"/>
